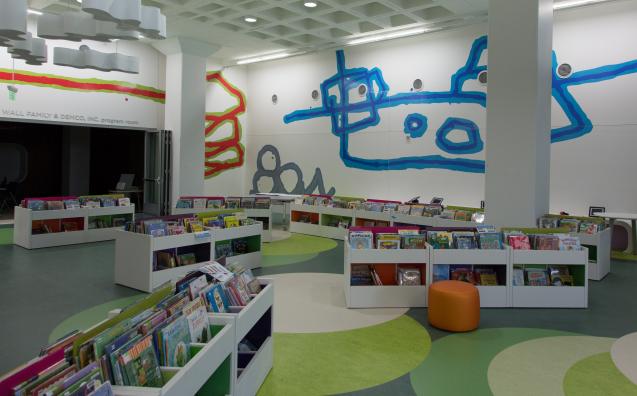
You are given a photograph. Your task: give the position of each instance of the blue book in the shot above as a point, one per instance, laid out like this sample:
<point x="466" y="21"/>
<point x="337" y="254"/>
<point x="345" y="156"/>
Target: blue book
<point x="217" y="299"/>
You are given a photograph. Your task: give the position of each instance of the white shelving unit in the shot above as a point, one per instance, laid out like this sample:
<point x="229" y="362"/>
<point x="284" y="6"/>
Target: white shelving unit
<point x="600" y="267"/>
<point x="550" y="296"/>
<point x="305" y="228"/>
<point x="370" y="215"/>
<point x="333" y="232"/>
<point x="413" y="220"/>
<point x="490" y="296"/>
<point x="385" y="296"/>
<point x="254" y="322"/>
<point x="24" y="218"/>
<point x="191" y="378"/>
<point x="266" y="235"/>
<point x="134" y="256"/>
<point x="249" y="260"/>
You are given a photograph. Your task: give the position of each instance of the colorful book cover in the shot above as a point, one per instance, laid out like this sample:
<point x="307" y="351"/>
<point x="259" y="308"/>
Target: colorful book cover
<point x="123" y="201"/>
<point x="36" y="204"/>
<point x="230" y="221"/>
<point x="198" y="322"/>
<point x="55" y="205"/>
<point x="518" y="277"/>
<point x="196" y="286"/>
<point x="217" y="299"/>
<point x="72" y="204"/>
<point x="519" y="242"/>
<point x="440" y="272"/>
<point x="184" y="203"/>
<point x="490" y="240"/>
<point x="488" y="279"/>
<point x="361" y="239"/>
<point x="414" y="241"/>
<point x="140" y="364"/>
<point x="215" y="204"/>
<point x="536" y="277"/>
<point x="417" y="210"/>
<point x="176" y="339"/>
<point x="233" y="202"/>
<point x="199" y="203"/>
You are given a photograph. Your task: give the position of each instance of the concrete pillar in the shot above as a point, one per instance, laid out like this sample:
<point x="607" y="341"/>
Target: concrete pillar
<point x="76" y="164"/>
<point x="518" y="148"/>
<point x="185" y="111"/>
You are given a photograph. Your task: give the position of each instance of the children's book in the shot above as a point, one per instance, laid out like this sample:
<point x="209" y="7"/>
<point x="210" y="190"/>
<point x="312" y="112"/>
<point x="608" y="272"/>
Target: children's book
<point x="570" y="243"/>
<point x="233" y="202"/>
<point x="217" y="299"/>
<point x="176" y="340"/>
<point x="519" y="242"/>
<point x="184" y="203"/>
<point x="215" y="204"/>
<point x="198" y="323"/>
<point x="440" y="272"/>
<point x="361" y="239"/>
<point x="108" y="202"/>
<point x="414" y="241"/>
<point x="199" y="203"/>
<point x="230" y="221"/>
<point x="72" y="204"/>
<point x="417" y="209"/>
<point x="490" y="240"/>
<point x="403" y="209"/>
<point x="140" y="365"/>
<point x="536" y="277"/>
<point x="36" y="204"/>
<point x="123" y="202"/>
<point x="387" y="241"/>
<point x="518" y="277"/>
<point x="196" y="285"/>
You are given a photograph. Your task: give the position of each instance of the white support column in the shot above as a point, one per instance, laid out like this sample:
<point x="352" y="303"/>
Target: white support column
<point x="518" y="148"/>
<point x="185" y="111"/>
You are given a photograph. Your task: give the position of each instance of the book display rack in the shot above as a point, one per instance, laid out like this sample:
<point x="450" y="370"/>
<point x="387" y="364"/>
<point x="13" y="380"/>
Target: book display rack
<point x="523" y="294"/>
<point x="143" y="261"/>
<point x="35" y="229"/>
<point x="255" y="207"/>
<point x="253" y="325"/>
<point x="376" y="277"/>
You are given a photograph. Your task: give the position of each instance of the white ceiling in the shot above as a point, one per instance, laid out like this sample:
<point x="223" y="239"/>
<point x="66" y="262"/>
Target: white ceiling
<point x="289" y="25"/>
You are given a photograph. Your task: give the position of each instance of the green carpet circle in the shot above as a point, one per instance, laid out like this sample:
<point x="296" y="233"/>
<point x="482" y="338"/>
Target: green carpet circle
<point x="298" y="244"/>
<point x="275" y="261"/>
<point x="458" y="363"/>
<point x="345" y="361"/>
<point x="6" y="235"/>
<point x="89" y="317"/>
<point x="597" y="375"/>
<point x="538" y="367"/>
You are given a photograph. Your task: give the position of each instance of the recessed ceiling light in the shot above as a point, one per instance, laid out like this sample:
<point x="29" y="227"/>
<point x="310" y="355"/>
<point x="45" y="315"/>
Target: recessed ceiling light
<point x="310" y="4"/>
<point x="250" y="19"/>
<point x="387" y="36"/>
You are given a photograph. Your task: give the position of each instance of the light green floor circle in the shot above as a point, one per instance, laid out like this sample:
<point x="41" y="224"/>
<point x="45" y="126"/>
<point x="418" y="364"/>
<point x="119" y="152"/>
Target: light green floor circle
<point x="6" y="236"/>
<point x="596" y="376"/>
<point x="538" y="367"/>
<point x="275" y="261"/>
<point x="298" y="244"/>
<point x="345" y="361"/>
<point x="89" y="317"/>
<point x="458" y="363"/>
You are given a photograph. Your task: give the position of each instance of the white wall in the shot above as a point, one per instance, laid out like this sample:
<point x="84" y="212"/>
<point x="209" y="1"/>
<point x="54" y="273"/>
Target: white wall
<point x="83" y="106"/>
<point x="595" y="169"/>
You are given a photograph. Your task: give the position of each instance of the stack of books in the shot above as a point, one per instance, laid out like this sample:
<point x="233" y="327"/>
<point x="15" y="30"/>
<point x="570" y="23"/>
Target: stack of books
<point x="402" y="239"/>
<point x="520" y="241"/>
<point x="555" y="275"/>
<point x="61" y="203"/>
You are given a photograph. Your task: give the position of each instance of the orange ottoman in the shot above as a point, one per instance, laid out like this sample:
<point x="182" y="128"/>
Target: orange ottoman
<point x="454" y="306"/>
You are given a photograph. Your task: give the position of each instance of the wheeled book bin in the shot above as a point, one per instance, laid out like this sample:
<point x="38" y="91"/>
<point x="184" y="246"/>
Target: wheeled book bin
<point x="136" y="257"/>
<point x="575" y="296"/>
<point x="253" y="323"/>
<point x="26" y="221"/>
<point x="498" y="259"/>
<point x="305" y="219"/>
<point x="252" y="233"/>
<point x="390" y="295"/>
<point x="598" y="245"/>
<point x="208" y="372"/>
<point x="330" y="219"/>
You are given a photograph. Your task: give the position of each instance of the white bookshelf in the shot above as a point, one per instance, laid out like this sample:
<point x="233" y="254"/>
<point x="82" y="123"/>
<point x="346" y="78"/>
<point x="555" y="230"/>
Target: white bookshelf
<point x="413" y="220"/>
<point x="24" y="218"/>
<point x="266" y="235"/>
<point x="490" y="296"/>
<point x="134" y="256"/>
<point x="200" y="368"/>
<point x="440" y="222"/>
<point x="600" y="267"/>
<point x="550" y="296"/>
<point x="250" y="260"/>
<point x="255" y="322"/>
<point x="385" y="296"/>
<point x="375" y="216"/>
<point x="305" y="228"/>
<point x="334" y="232"/>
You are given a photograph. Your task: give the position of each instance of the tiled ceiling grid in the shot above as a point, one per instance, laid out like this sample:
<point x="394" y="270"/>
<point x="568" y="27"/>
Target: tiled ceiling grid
<point x="291" y="25"/>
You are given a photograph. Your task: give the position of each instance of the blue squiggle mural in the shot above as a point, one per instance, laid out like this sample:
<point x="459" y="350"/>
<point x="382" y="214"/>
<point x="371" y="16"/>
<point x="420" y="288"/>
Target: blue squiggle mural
<point x="340" y="108"/>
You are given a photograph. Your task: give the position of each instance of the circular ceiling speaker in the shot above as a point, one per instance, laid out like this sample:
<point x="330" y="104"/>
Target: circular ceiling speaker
<point x="362" y="89"/>
<point x="417" y="84"/>
<point x="315" y="94"/>
<point x="564" y="70"/>
<point x="483" y="77"/>
<point x="275" y="99"/>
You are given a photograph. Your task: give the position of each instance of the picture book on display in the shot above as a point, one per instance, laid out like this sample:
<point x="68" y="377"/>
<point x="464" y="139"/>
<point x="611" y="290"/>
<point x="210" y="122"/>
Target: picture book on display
<point x="361" y="239"/>
<point x="387" y="241"/>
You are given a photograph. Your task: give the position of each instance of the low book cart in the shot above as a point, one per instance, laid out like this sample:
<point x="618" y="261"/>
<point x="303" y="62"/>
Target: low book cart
<point x="598" y="245"/>
<point x="26" y="220"/>
<point x="262" y="215"/>
<point x="208" y="372"/>
<point x="136" y="254"/>
<point x="552" y="296"/>
<point x="254" y="323"/>
<point x="386" y="296"/>
<point x="498" y="259"/>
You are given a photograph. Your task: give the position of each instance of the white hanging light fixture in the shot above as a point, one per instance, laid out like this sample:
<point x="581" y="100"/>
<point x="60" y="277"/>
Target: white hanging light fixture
<point x="78" y="26"/>
<point x="30" y="49"/>
<point x="153" y="23"/>
<point x="13" y="19"/>
<point x="86" y="58"/>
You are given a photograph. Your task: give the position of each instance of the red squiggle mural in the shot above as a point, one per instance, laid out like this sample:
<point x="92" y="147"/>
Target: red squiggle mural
<point x="77" y="84"/>
<point x="216" y="148"/>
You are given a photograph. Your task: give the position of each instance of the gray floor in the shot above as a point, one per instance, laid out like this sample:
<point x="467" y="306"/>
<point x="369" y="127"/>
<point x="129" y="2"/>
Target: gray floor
<point x="43" y="287"/>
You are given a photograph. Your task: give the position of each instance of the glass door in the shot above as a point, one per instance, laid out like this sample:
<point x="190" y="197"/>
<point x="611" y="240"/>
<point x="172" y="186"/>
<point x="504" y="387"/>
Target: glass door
<point x="157" y="174"/>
